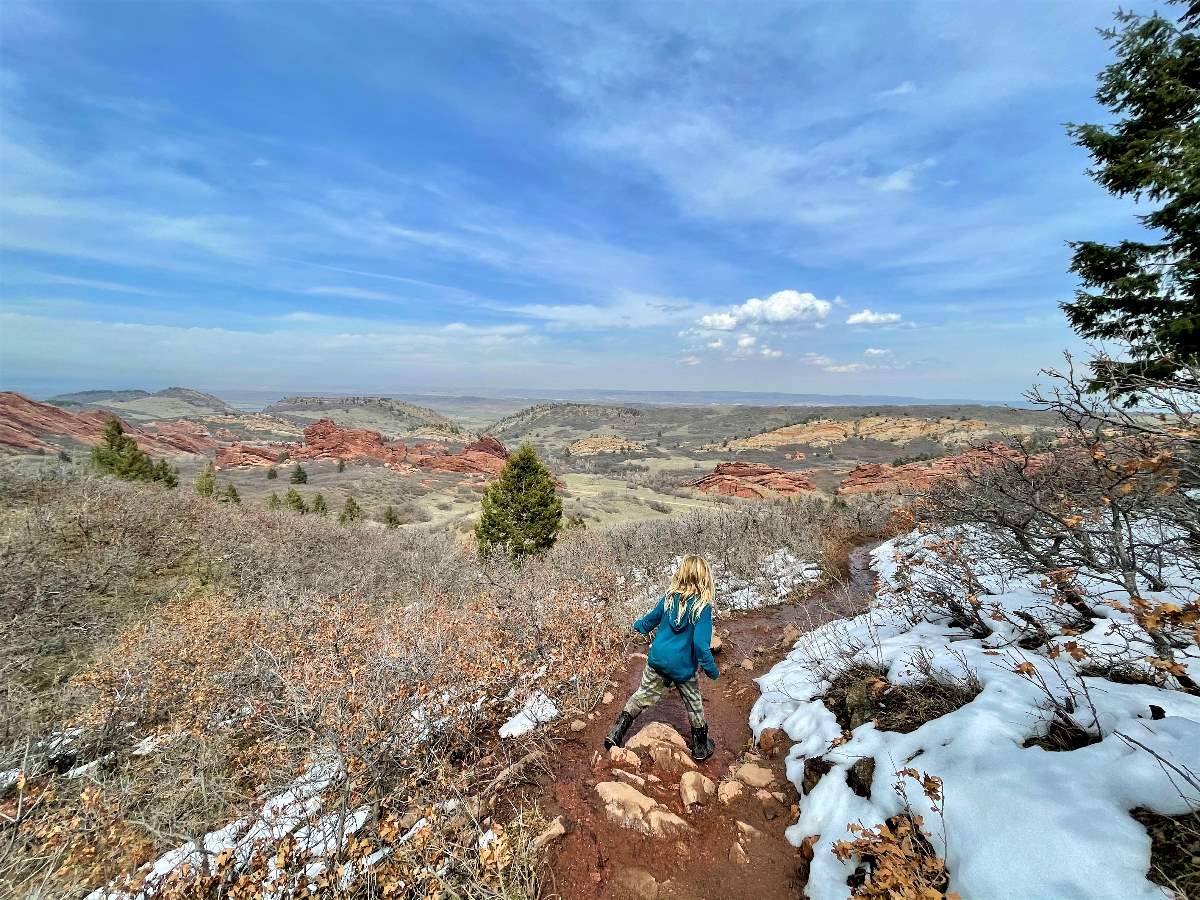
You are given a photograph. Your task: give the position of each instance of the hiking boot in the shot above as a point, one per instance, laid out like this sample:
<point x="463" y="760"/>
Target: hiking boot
<point x="702" y="745"/>
<point x="616" y="736"/>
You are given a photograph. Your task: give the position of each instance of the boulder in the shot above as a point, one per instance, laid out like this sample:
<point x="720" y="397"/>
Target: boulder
<point x="695" y="787"/>
<point x="754" y="775"/>
<point x="578" y="725"/>
<point x="653" y="733"/>
<point x="628" y="807"/>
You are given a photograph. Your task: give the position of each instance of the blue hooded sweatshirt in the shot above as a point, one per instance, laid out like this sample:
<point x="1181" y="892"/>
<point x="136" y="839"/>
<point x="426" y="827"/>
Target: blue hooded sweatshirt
<point x="680" y="645"/>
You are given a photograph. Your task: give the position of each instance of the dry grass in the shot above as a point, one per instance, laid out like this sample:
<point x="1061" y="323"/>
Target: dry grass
<point x="247" y="645"/>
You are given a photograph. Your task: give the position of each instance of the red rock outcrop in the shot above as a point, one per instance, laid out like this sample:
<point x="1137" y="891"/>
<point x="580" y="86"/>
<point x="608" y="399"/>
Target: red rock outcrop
<point x="245" y="455"/>
<point x="753" y="481"/>
<point x="911" y="478"/>
<point x="325" y="439"/>
<point x="484" y="457"/>
<point x="190" y="437"/>
<point x="28" y="425"/>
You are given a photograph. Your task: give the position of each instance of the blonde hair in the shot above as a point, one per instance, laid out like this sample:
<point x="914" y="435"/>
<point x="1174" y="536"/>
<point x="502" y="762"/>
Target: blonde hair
<point x="692" y="580"/>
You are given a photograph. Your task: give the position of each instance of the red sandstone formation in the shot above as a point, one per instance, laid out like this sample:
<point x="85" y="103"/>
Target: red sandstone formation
<point x="245" y="455"/>
<point x="915" y="477"/>
<point x="190" y="437"/>
<point x="754" y="481"/>
<point x="325" y="439"/>
<point x="26" y="424"/>
<point x="484" y="457"/>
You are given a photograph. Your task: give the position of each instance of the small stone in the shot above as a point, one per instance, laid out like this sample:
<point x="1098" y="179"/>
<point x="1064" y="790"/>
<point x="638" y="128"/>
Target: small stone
<point x="747" y="830"/>
<point x="780" y="796"/>
<point x="770" y="739"/>
<point x="653" y="779"/>
<point x="770" y="808"/>
<point x="638" y="882"/>
<point x="554" y="831"/>
<point x="759" y="651"/>
<point x="595" y="758"/>
<point x="578" y="725"/>
<point x="747" y="665"/>
<point x="624" y="757"/>
<point x="728" y="791"/>
<point x="791" y="634"/>
<point x="754" y="775"/>
<point x="591" y="716"/>
<point x="638" y="656"/>
<point x="607" y="698"/>
<point x="671" y="760"/>
<point x="716" y="645"/>
<point x="737" y="854"/>
<point x="629" y="777"/>
<point x="628" y="807"/>
<point x="695" y="787"/>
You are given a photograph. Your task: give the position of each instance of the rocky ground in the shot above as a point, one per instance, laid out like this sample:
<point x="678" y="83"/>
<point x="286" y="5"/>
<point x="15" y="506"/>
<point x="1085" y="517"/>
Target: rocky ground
<point x="645" y="821"/>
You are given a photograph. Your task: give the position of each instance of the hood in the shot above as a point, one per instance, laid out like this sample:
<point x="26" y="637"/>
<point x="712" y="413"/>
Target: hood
<point x="685" y="620"/>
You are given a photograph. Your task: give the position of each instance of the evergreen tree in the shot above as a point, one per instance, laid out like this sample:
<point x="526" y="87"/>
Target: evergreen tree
<point x="64" y="456"/>
<point x="118" y="454"/>
<point x="1146" y="293"/>
<point x="319" y="506"/>
<point x="165" y="474"/>
<point x="273" y="502"/>
<point x="521" y="511"/>
<point x="350" y="512"/>
<point x="206" y="482"/>
<point x="341" y="465"/>
<point x="299" y="476"/>
<point x="230" y="495"/>
<point x="293" y="501"/>
<point x="390" y="519"/>
<point x="272" y="474"/>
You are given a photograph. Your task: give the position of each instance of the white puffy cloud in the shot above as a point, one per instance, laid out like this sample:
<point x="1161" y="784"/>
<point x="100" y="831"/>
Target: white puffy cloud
<point x="716" y="344"/>
<point x="690" y="360"/>
<point x="869" y="317"/>
<point x="746" y="341"/>
<point x="770" y="353"/>
<point x="782" y="307"/>
<point x="816" y="359"/>
<point x="876" y="352"/>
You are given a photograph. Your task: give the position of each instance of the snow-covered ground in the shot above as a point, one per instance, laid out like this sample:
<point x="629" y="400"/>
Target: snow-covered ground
<point x="779" y="574"/>
<point x="1016" y="821"/>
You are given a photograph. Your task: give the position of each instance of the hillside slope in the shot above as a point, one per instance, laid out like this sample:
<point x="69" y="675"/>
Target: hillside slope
<point x="141" y="406"/>
<point x="391" y="418"/>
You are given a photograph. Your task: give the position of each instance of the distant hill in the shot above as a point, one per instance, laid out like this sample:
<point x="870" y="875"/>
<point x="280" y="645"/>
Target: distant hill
<point x="143" y="406"/>
<point x="391" y="418"/>
<point x="567" y="418"/>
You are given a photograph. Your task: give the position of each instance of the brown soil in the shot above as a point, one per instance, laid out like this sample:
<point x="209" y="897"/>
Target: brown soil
<point x="595" y="856"/>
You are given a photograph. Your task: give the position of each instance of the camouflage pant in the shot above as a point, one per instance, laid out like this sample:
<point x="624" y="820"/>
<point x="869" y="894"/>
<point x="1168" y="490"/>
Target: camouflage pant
<point x="654" y="686"/>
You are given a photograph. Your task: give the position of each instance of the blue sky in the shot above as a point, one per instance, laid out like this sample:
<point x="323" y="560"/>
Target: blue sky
<point x="837" y="198"/>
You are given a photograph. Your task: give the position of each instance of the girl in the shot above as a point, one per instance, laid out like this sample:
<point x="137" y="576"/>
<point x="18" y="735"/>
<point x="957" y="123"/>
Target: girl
<point x="683" y="617"/>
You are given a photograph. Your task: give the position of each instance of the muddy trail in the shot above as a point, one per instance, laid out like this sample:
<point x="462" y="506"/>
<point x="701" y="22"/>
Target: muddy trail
<point x="629" y="831"/>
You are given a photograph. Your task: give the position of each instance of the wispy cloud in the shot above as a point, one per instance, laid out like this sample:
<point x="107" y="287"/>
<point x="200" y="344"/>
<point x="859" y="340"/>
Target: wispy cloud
<point x="870" y="317"/>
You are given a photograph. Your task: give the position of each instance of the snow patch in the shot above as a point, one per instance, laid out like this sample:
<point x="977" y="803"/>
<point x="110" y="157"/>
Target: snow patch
<point x="538" y="710"/>
<point x="1018" y="822"/>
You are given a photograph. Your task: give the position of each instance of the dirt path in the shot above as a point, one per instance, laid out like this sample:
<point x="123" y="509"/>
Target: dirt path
<point x="599" y="859"/>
